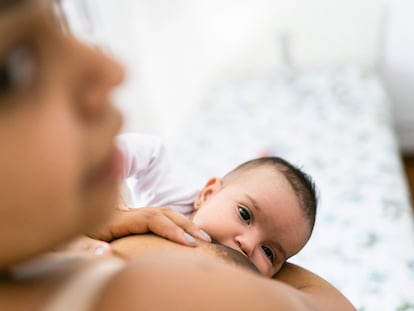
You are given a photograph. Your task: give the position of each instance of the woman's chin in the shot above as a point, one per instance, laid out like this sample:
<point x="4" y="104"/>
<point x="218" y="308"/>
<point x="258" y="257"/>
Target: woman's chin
<point x="100" y="209"/>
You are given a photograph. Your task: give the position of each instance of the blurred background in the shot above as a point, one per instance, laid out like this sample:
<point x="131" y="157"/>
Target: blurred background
<point x="174" y="49"/>
<point x="327" y="84"/>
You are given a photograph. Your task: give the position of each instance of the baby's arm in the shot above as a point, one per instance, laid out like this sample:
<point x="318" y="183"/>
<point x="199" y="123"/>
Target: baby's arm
<point x="150" y="177"/>
<point x="155" y="184"/>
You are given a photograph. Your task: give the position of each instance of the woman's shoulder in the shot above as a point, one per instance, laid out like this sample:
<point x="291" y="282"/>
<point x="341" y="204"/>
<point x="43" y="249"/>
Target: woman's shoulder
<point x="310" y="283"/>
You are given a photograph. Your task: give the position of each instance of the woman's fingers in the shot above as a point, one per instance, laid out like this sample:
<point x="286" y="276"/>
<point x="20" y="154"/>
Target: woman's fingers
<point x="121" y="205"/>
<point x="186" y="224"/>
<point x="175" y="227"/>
<point x="162" y="221"/>
<point x="88" y="245"/>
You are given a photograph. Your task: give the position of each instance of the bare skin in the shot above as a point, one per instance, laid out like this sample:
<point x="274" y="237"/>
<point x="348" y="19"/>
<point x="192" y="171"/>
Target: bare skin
<point x="307" y="290"/>
<point x="156" y="267"/>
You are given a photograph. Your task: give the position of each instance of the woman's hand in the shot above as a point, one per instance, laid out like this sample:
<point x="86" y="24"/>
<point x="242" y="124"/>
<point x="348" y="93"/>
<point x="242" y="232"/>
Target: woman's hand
<point x="161" y="221"/>
<point x="86" y="245"/>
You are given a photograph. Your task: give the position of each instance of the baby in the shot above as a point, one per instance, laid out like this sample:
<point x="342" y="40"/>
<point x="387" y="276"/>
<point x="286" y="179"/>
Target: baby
<point x="265" y="208"/>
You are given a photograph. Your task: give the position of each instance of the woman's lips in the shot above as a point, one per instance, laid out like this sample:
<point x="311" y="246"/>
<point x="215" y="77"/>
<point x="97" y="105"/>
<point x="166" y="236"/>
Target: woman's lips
<point x="111" y="170"/>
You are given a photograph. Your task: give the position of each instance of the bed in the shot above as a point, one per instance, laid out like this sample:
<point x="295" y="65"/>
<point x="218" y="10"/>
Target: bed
<point x="336" y="124"/>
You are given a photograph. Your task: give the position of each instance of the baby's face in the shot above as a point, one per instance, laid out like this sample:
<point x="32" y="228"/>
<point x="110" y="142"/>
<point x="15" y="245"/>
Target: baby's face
<point x="257" y="213"/>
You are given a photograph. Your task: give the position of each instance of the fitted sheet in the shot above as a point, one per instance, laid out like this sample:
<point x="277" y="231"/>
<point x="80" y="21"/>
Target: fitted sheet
<point x="337" y="125"/>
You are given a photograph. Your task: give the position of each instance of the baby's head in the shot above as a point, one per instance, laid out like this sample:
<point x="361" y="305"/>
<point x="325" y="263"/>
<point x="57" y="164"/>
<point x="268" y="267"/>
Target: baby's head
<point x="265" y="208"/>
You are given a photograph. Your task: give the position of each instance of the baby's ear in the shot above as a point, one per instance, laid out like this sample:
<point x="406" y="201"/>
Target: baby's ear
<point x="213" y="185"/>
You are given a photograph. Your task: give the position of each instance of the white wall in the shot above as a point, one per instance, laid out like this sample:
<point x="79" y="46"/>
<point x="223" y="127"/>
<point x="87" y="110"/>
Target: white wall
<point x="399" y="67"/>
<point x="173" y="49"/>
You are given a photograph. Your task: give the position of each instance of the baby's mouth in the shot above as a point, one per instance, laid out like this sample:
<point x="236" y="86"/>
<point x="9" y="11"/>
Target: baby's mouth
<point x="214" y="241"/>
<point x="251" y="264"/>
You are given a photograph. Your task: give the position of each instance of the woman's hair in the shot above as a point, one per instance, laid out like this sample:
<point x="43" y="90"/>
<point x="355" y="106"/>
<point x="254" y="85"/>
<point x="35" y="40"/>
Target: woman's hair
<point x="6" y="4"/>
<point x="302" y="183"/>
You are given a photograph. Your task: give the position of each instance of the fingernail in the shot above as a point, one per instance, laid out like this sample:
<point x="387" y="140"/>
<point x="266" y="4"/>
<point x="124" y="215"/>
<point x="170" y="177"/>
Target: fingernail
<point x="205" y="235"/>
<point x="189" y="238"/>
<point x="100" y="250"/>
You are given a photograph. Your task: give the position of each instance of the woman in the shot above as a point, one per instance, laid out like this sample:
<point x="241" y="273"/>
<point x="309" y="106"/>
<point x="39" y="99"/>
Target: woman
<point x="59" y="173"/>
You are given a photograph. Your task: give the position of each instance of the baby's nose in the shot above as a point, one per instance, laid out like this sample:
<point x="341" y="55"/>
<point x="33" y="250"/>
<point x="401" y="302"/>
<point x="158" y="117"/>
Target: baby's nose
<point x="245" y="246"/>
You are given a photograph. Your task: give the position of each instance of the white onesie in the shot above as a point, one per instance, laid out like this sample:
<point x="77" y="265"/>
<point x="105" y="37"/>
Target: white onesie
<point x="149" y="179"/>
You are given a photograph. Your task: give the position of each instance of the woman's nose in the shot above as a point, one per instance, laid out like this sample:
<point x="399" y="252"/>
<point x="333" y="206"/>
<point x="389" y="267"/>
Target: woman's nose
<point x="99" y="77"/>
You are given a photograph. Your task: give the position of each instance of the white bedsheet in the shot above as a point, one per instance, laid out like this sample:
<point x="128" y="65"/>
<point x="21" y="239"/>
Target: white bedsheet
<point x="337" y="126"/>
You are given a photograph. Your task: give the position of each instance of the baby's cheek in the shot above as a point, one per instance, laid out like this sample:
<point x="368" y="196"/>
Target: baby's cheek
<point x="216" y="222"/>
<point x="261" y="265"/>
<point x="206" y="226"/>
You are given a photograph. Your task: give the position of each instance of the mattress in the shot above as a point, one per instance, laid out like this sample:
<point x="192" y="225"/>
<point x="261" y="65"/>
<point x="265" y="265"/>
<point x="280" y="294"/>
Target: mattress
<point x="337" y="126"/>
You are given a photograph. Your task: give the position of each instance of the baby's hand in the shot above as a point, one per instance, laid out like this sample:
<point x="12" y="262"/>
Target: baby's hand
<point x="162" y="221"/>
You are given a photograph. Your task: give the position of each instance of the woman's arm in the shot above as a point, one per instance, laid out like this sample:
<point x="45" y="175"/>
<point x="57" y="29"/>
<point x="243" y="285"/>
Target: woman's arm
<point x="319" y="290"/>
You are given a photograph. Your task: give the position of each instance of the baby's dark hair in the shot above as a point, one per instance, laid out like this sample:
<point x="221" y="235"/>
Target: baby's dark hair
<point x="301" y="182"/>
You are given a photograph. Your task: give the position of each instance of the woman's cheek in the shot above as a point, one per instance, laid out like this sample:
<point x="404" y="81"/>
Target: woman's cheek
<point x="57" y="157"/>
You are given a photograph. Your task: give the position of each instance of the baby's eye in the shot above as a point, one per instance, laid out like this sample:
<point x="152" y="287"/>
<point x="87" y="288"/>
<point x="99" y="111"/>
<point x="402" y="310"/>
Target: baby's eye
<point x="16" y="69"/>
<point x="269" y="253"/>
<point x="245" y="214"/>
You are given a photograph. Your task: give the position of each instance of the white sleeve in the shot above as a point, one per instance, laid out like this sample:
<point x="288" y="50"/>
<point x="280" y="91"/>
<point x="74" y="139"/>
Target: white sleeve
<point x="150" y="176"/>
